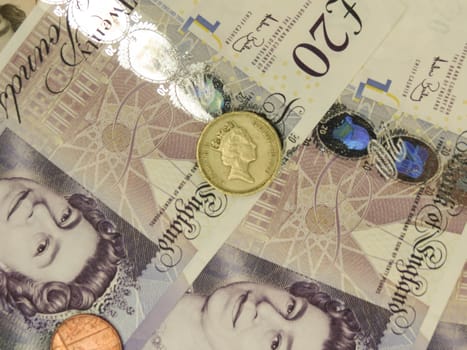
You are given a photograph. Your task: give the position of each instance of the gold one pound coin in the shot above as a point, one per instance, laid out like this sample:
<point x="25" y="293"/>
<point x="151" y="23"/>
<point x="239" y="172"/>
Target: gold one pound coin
<point x="239" y="153"/>
<point x="85" y="331"/>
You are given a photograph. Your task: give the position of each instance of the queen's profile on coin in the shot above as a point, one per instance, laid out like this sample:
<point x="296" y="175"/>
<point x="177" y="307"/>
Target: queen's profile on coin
<point x="228" y="149"/>
<point x="56" y="253"/>
<point x="237" y="151"/>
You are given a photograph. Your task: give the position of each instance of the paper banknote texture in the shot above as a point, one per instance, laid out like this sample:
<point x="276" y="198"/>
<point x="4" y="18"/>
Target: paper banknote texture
<point x="75" y="121"/>
<point x="422" y="63"/>
<point x="232" y="268"/>
<point x="73" y="112"/>
<point x="451" y="331"/>
<point x="395" y="243"/>
<point x="72" y="109"/>
<point x="327" y="217"/>
<point x="27" y="319"/>
<point x="305" y="50"/>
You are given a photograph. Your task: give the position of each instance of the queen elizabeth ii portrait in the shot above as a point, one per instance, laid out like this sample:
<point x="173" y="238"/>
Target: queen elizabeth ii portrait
<point x="240" y="301"/>
<point x="57" y="253"/>
<point x="61" y="248"/>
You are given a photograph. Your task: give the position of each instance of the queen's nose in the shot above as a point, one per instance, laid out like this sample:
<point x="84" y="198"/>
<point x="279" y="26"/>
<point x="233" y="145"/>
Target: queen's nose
<point x="266" y="312"/>
<point x="41" y="215"/>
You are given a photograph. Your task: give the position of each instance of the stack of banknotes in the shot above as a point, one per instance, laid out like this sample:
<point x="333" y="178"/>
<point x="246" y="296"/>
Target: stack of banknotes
<point x="359" y="242"/>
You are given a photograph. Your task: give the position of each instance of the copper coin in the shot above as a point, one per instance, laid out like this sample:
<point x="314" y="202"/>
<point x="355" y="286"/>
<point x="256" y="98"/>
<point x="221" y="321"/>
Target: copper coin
<point x="85" y="331"/>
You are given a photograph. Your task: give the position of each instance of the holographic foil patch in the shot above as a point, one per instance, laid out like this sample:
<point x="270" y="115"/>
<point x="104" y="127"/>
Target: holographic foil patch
<point x="346" y="134"/>
<point x="420" y="162"/>
<point x="200" y="93"/>
<point x="148" y="53"/>
<point x="102" y="21"/>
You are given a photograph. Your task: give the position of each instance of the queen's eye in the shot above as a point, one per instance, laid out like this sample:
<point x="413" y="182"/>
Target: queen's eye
<point x="276" y="342"/>
<point x="66" y="218"/>
<point x="291" y="306"/>
<point x="65" y="215"/>
<point x="42" y="247"/>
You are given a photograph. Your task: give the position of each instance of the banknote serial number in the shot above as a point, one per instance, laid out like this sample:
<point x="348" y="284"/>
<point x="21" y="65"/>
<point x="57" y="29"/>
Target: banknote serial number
<point x="307" y="52"/>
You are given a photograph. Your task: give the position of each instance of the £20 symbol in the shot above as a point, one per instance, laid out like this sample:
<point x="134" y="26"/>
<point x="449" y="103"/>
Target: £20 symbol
<point x="304" y="49"/>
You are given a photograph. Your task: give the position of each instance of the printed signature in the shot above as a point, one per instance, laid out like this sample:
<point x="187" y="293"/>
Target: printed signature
<point x="247" y="42"/>
<point x="424" y="89"/>
<point x="250" y="40"/>
<point x="428" y="85"/>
